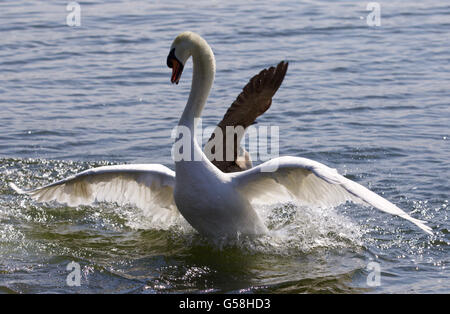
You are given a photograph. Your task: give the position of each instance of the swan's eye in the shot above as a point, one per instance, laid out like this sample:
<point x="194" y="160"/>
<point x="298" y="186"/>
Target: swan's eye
<point x="175" y="65"/>
<point x="170" y="57"/>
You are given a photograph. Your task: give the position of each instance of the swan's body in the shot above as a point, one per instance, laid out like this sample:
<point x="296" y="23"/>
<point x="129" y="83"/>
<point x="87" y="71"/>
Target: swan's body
<point x="215" y="203"/>
<point x="221" y="211"/>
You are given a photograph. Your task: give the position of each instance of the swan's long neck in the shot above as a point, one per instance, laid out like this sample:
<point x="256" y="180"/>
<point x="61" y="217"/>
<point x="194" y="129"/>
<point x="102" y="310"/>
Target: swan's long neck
<point x="202" y="80"/>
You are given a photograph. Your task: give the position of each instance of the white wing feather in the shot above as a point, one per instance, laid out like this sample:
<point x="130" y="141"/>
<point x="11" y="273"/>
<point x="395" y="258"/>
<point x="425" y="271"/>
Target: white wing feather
<point x="313" y="184"/>
<point x="148" y="186"/>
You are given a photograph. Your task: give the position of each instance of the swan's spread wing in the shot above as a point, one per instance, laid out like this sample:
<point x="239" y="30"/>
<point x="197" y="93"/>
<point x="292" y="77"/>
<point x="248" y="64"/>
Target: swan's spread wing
<point x="312" y="183"/>
<point x="145" y="186"/>
<point x="253" y="101"/>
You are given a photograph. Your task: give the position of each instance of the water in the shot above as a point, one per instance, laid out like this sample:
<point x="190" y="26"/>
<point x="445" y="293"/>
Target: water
<point x="372" y="102"/>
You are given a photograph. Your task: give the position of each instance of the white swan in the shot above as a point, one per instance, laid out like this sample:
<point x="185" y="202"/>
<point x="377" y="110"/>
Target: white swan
<point x="215" y="203"/>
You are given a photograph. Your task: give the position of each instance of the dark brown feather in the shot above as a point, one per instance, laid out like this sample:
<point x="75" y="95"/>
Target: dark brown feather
<point x="253" y="101"/>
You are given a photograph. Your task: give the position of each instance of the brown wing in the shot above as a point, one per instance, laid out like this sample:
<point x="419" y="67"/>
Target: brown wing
<point x="253" y="101"/>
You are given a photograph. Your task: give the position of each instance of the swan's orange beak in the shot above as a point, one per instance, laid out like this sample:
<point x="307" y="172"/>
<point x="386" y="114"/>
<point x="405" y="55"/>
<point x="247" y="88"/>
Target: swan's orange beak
<point x="177" y="69"/>
<point x="176" y="65"/>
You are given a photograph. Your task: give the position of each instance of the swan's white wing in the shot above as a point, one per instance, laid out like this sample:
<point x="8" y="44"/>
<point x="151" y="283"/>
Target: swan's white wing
<point x="145" y="186"/>
<point x="312" y="183"/>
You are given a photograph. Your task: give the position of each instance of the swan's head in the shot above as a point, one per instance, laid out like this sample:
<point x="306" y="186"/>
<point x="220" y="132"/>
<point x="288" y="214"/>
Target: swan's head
<point x="176" y="65"/>
<point x="180" y="51"/>
<point x="185" y="45"/>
